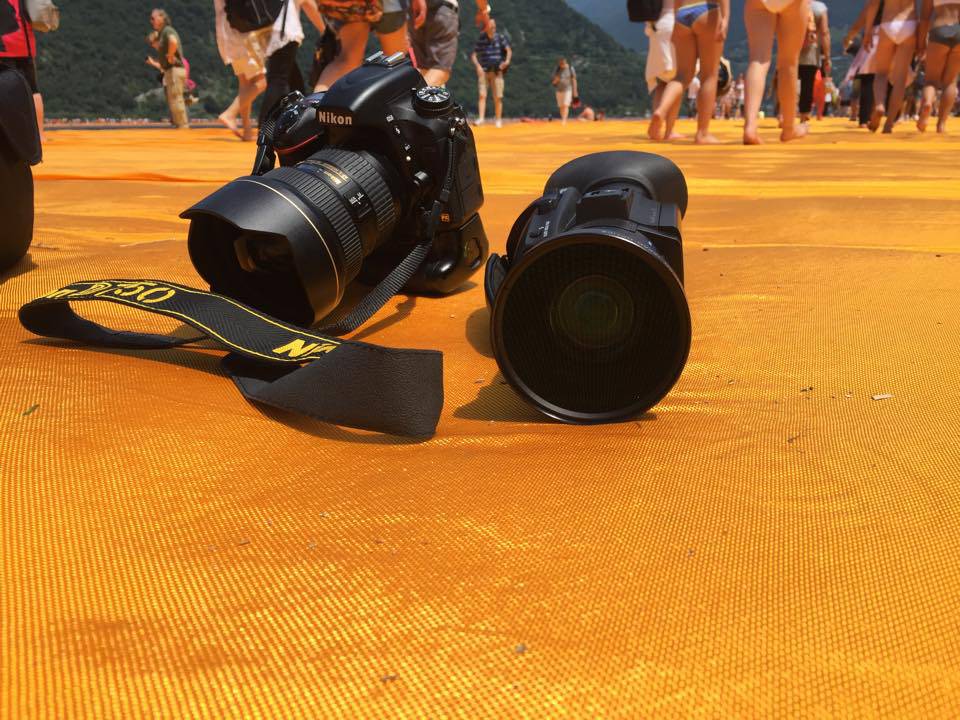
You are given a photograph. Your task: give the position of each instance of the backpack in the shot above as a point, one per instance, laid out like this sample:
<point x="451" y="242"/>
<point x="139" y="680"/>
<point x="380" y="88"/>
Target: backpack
<point x="644" y="10"/>
<point x="44" y="15"/>
<point x="248" y="15"/>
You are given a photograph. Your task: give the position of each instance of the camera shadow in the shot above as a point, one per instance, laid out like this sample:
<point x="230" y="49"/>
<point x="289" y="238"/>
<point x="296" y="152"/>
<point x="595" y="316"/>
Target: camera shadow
<point x="478" y="331"/>
<point x="21" y="267"/>
<point x="499" y="402"/>
<point x="210" y="364"/>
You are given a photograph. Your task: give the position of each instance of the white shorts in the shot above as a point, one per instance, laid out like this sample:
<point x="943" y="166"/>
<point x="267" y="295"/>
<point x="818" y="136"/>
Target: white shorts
<point x="661" y="57"/>
<point x="564" y="97"/>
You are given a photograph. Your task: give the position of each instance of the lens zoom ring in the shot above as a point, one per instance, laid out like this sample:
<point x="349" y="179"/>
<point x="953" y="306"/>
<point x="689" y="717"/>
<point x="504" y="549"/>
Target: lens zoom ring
<point x="330" y="206"/>
<point x="366" y="176"/>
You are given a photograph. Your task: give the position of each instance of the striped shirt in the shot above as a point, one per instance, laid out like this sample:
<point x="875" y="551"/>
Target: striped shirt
<point x="491" y="51"/>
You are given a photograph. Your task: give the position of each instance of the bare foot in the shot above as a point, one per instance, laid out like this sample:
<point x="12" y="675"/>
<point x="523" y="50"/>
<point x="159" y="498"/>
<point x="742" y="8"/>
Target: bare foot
<point x="924" y="117"/>
<point x="706" y="139"/>
<point x="887" y="128"/>
<point x="750" y="137"/>
<point x="655" y="130"/>
<point x="675" y="136"/>
<point x="231" y="124"/>
<point x="795" y="133"/>
<point x="875" y="118"/>
<point x="942" y="128"/>
<point x="248" y="135"/>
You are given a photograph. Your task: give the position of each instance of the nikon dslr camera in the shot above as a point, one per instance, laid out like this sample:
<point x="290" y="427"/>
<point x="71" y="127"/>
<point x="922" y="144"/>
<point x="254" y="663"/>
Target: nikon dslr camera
<point x="378" y="181"/>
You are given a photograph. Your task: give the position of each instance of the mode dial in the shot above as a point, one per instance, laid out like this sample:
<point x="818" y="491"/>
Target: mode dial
<point x="431" y="100"/>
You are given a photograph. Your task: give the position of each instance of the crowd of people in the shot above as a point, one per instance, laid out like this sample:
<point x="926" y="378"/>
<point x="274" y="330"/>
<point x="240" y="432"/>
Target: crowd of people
<point x="906" y="65"/>
<point x="902" y="47"/>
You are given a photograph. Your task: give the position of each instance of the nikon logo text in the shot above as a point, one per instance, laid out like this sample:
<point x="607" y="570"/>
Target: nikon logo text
<point x="329" y="118"/>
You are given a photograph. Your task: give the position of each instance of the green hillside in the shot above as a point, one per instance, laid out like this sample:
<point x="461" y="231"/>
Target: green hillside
<point x="94" y="65"/>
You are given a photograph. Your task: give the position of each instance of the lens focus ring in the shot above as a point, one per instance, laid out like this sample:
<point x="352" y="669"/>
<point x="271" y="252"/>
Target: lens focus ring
<point x="330" y="206"/>
<point x="370" y="179"/>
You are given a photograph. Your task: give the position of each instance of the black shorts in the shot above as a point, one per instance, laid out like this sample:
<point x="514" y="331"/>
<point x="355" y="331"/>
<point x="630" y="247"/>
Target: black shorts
<point x="26" y="67"/>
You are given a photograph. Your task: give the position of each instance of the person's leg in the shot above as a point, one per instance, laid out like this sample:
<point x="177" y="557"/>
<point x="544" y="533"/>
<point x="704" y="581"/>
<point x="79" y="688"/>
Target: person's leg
<point x="709" y="50"/>
<point x="394" y="41"/>
<point x="685" y="45"/>
<point x="353" y="43"/>
<point x="791" y="30"/>
<point x="883" y="61"/>
<point x="672" y="114"/>
<point x="899" y="70"/>
<point x="866" y="100"/>
<point x="949" y="96"/>
<point x="481" y="97"/>
<point x="761" y="25"/>
<point x="807" y="75"/>
<point x="497" y="82"/>
<point x="38" y="106"/>
<point x="563" y="107"/>
<point x="935" y="63"/>
<point x="278" y="78"/>
<point x="249" y="90"/>
<point x="173" y="85"/>
<point x="228" y="118"/>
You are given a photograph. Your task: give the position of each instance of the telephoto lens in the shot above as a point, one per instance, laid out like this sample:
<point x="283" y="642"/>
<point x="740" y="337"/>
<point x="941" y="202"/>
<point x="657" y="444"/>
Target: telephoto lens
<point x="589" y="321"/>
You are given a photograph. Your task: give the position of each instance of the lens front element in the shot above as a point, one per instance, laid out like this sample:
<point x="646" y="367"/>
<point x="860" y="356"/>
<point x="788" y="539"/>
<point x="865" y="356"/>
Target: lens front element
<point x="592" y="328"/>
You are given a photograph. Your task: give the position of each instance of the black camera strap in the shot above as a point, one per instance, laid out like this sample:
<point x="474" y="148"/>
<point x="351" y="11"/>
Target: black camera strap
<point x="272" y="362"/>
<point x="398" y="277"/>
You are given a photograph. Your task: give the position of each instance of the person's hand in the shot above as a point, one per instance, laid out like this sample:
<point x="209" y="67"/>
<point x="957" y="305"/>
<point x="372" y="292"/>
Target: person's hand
<point x="848" y="40"/>
<point x="868" y="39"/>
<point x="722" y="29"/>
<point x="479" y="72"/>
<point x="921" y="51"/>
<point x="418" y="11"/>
<point x="504" y="65"/>
<point x="827" y="66"/>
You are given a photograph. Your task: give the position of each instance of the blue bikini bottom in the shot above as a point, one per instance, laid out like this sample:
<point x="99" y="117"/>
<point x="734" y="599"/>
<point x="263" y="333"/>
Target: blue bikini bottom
<point x="688" y="14"/>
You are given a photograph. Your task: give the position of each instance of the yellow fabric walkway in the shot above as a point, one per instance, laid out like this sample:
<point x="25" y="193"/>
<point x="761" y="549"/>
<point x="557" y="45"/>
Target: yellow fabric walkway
<point x="770" y="541"/>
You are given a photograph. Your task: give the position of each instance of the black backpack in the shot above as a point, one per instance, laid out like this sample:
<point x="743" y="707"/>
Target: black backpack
<point x="249" y="15"/>
<point x="644" y="10"/>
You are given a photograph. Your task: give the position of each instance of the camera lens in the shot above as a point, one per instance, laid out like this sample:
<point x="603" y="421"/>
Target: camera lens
<point x="591" y="327"/>
<point x="257" y="252"/>
<point x="290" y="241"/>
<point x="594" y="312"/>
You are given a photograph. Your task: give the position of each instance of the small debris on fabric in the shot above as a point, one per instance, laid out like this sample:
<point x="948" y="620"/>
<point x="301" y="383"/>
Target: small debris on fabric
<point x="212" y="548"/>
<point x="730" y="382"/>
<point x="30" y="410"/>
<point x="311" y="546"/>
<point x="388" y="678"/>
<point x="323" y="514"/>
<point x="792" y="438"/>
<point x="378" y="541"/>
<point x="690" y="552"/>
<point x="479" y="381"/>
<point x="520" y="649"/>
<point x="245" y="541"/>
<point x="939" y="255"/>
<point x="848" y="394"/>
<point x="807" y="389"/>
<point x="882" y="396"/>
<point x="706" y="249"/>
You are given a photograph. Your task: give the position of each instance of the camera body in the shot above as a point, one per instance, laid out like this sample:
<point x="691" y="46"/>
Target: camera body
<point x="588" y="317"/>
<point x="364" y="163"/>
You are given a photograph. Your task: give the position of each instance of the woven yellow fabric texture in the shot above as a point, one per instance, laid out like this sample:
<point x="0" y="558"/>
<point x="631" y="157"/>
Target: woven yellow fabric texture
<point x="770" y="541"/>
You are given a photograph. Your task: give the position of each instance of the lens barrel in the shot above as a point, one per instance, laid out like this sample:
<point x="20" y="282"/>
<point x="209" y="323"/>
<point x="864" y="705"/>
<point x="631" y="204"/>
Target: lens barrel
<point x="290" y="241"/>
<point x="589" y="321"/>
